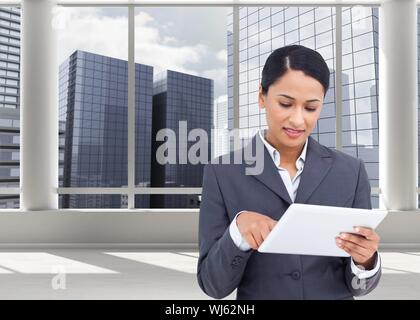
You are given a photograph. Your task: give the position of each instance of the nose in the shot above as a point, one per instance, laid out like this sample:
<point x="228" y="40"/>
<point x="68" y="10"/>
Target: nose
<point x="296" y="118"/>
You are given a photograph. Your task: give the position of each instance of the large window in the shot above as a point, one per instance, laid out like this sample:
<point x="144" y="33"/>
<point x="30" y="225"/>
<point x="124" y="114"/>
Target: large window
<point x="188" y="78"/>
<point x="180" y="74"/>
<point x="315" y="28"/>
<point x="360" y="85"/>
<point x="93" y="81"/>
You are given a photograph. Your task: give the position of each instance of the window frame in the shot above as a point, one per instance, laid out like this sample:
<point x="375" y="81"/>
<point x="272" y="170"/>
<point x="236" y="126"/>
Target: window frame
<point x="131" y="190"/>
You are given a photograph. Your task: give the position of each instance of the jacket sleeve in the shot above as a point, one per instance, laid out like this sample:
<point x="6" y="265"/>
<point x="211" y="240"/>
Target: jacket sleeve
<point x="362" y="200"/>
<point x="221" y="263"/>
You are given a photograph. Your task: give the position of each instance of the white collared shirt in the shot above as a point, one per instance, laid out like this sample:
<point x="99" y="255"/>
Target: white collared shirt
<point x="291" y="185"/>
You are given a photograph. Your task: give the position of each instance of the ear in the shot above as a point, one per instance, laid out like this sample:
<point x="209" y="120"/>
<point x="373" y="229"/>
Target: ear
<point x="261" y="98"/>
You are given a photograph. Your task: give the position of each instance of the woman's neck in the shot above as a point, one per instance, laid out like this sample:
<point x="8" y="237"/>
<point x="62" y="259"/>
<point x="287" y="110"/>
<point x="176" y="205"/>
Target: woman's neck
<point x="287" y="154"/>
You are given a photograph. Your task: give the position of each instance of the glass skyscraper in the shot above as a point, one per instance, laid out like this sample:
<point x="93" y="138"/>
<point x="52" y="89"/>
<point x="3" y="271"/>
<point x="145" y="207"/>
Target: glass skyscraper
<point x="220" y="126"/>
<point x="93" y="105"/>
<point x="262" y="30"/>
<point x="179" y="97"/>
<point x="9" y="103"/>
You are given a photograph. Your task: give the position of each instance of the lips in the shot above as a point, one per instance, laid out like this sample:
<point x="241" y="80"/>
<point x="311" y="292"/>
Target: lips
<point x="293" y="133"/>
<point x="293" y="130"/>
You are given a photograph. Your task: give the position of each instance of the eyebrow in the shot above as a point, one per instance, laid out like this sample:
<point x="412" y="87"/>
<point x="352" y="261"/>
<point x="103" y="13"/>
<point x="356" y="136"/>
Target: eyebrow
<point x="289" y="97"/>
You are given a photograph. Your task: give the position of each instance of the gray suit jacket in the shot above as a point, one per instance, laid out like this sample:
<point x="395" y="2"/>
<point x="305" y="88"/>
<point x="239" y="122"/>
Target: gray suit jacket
<point x="329" y="178"/>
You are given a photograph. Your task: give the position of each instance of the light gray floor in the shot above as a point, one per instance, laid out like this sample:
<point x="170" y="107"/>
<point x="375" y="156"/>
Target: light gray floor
<point x="148" y="274"/>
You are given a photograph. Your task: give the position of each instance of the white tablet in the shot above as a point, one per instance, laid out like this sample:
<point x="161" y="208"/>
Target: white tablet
<point x="311" y="229"/>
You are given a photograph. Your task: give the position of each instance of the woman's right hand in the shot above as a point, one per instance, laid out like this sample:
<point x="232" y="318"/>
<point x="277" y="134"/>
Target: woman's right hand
<point x="254" y="227"/>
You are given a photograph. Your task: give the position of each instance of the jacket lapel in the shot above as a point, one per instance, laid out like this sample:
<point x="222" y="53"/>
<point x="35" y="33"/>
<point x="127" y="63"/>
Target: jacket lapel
<point x="269" y="175"/>
<point x="317" y="164"/>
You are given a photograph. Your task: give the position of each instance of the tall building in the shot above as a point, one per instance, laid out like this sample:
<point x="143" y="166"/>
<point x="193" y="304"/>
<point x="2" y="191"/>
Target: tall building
<point x="93" y="105"/>
<point x="262" y="30"/>
<point x="220" y="126"/>
<point x="9" y="103"/>
<point x="179" y="97"/>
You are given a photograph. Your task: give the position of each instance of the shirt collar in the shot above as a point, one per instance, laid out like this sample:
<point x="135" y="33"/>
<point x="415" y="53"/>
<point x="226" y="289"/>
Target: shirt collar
<point x="275" y="155"/>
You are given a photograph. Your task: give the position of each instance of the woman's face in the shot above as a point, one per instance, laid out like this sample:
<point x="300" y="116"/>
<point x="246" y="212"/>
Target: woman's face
<point x="292" y="106"/>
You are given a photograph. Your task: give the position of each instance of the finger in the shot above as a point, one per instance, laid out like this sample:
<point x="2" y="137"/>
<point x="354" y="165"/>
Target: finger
<point x="272" y="224"/>
<point x="251" y="241"/>
<point x="265" y="231"/>
<point x="355" y="256"/>
<point x="352" y="252"/>
<point x="354" y="248"/>
<point x="371" y="245"/>
<point x="368" y="233"/>
<point x="257" y="236"/>
<point x="360" y="240"/>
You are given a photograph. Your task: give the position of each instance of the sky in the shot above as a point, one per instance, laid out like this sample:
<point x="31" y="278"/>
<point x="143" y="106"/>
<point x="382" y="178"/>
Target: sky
<point x="190" y="40"/>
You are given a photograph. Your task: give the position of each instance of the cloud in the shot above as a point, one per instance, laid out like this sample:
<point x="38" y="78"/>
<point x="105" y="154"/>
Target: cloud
<point x="222" y="98"/>
<point x="222" y="56"/>
<point x="84" y="29"/>
<point x="219" y="75"/>
<point x="88" y="30"/>
<point x="164" y="52"/>
<point x="105" y="33"/>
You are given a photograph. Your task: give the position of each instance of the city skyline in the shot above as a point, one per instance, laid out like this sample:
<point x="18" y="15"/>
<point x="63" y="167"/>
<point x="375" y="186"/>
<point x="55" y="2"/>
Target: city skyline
<point x="262" y="30"/>
<point x="266" y="29"/>
<point x="93" y="105"/>
<point x="163" y="39"/>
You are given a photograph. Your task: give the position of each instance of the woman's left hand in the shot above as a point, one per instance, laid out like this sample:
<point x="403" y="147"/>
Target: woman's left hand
<point x="360" y="245"/>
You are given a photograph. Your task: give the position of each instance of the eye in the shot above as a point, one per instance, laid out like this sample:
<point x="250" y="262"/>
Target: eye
<point x="311" y="109"/>
<point x="285" y="105"/>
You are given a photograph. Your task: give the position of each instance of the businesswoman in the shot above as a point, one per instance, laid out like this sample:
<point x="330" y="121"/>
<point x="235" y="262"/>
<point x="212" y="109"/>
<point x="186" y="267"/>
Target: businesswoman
<point x="239" y="210"/>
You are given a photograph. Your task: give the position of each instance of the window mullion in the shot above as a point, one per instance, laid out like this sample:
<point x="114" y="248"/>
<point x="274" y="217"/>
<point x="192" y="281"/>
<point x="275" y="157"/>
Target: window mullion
<point x="131" y="110"/>
<point x="337" y="76"/>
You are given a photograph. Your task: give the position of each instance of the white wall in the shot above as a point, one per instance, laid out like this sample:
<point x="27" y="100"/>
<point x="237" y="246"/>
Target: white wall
<point x="160" y="229"/>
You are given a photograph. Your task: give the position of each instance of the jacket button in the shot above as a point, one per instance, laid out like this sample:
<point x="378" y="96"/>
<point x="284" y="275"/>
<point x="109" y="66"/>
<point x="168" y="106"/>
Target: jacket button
<point x="236" y="262"/>
<point x="238" y="258"/>
<point x="295" y="275"/>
